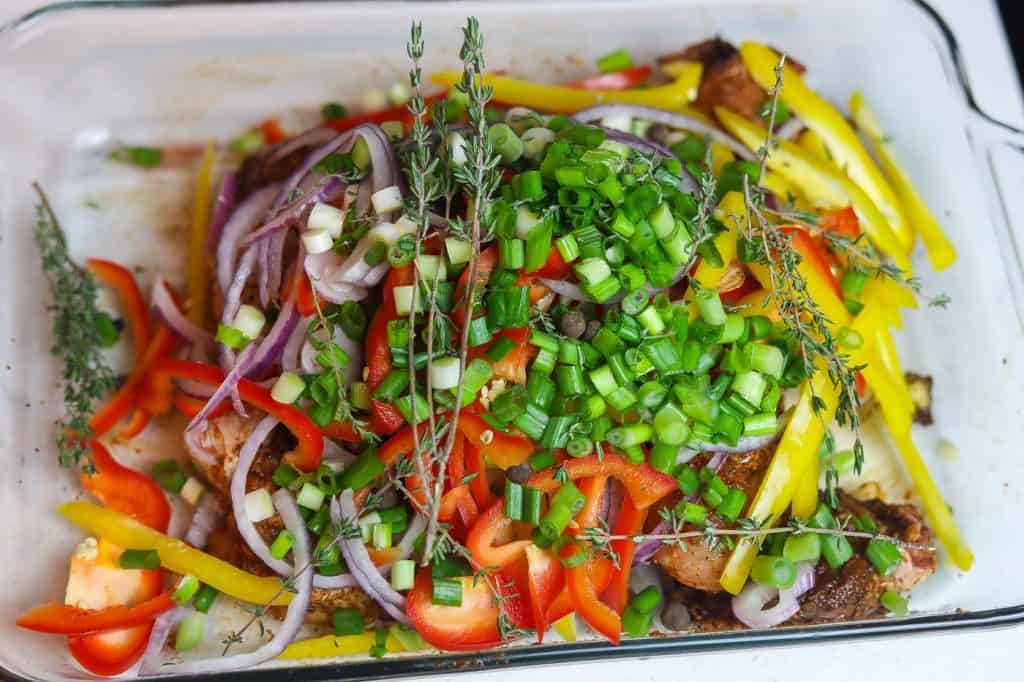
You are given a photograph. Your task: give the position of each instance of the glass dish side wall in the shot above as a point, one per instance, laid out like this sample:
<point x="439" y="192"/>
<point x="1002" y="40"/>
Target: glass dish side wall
<point x="183" y="73"/>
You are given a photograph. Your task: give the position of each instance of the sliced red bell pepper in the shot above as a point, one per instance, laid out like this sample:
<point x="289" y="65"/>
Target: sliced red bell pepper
<point x="814" y="256"/>
<point x="583" y="591"/>
<point x="555" y="267"/>
<point x="593" y="490"/>
<point x="615" y="80"/>
<point x="110" y="653"/>
<point x="126" y="490"/>
<point x="386" y="417"/>
<point x="459" y="500"/>
<point x="630" y="522"/>
<point x="475" y="466"/>
<point x="121" y="280"/>
<point x="342" y="431"/>
<point x="469" y="627"/>
<point x="400" y="113"/>
<point x="504" y="450"/>
<point x="159" y="394"/>
<point x="487" y="261"/>
<point x="58" y="619"/>
<point x="601" y="575"/>
<point x="136" y="425"/>
<point x="512" y="367"/>
<point x="124" y="400"/>
<point x="644" y="485"/>
<point x="190" y="406"/>
<point x="272" y="131"/>
<point x="382" y="557"/>
<point x="545" y="580"/>
<point x="841" y="221"/>
<point x="299" y="281"/>
<point x="489" y="526"/>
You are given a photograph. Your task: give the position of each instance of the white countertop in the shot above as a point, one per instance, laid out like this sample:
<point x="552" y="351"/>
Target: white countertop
<point x="920" y="658"/>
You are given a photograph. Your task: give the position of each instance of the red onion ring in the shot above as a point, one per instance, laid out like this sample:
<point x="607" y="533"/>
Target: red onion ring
<point x="162" y="627"/>
<point x="245" y="217"/>
<point x="568" y="290"/>
<point x="295" y="615"/>
<point x="353" y="349"/>
<point x="671" y="119"/>
<point x="748" y="605"/>
<point x="206" y="518"/>
<point x="227" y="199"/>
<point x="233" y="301"/>
<point x="290" y="356"/>
<point x="167" y="310"/>
<point x="646" y="549"/>
<point x="358" y="559"/>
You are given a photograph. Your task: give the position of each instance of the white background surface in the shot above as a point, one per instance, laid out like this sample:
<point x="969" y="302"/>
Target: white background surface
<point x="921" y="658"/>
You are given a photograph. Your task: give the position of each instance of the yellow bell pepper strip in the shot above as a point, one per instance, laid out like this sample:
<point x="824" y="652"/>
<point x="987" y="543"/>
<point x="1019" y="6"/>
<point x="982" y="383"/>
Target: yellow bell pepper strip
<point x="330" y="646"/>
<point x="558" y="98"/>
<point x="812" y="142"/>
<point x="175" y="555"/>
<point x="566" y="627"/>
<point x="720" y="155"/>
<point x="730" y="210"/>
<point x="680" y="69"/>
<point x="941" y="251"/>
<point x="822" y="185"/>
<point x="198" y="284"/>
<point x="844" y="146"/>
<point x="805" y="497"/>
<point x="794" y="455"/>
<point x="935" y="508"/>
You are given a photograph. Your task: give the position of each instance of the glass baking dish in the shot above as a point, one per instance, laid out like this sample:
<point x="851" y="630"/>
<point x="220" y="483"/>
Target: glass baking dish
<point x="80" y="75"/>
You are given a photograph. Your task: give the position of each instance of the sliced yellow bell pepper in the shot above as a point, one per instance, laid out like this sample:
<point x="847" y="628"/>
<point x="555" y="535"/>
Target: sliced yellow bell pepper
<point x="813" y="143"/>
<point x="805" y="497"/>
<point x="689" y="72"/>
<point x="935" y="508"/>
<point x="817" y="179"/>
<point x="175" y="555"/>
<point x="794" y="455"/>
<point x="757" y="303"/>
<point x="730" y="211"/>
<point x="720" y="155"/>
<point x="331" y="646"/>
<point x="941" y="251"/>
<point x="842" y="142"/>
<point x="672" y="97"/>
<point x="786" y="191"/>
<point x="198" y="282"/>
<point x="566" y="627"/>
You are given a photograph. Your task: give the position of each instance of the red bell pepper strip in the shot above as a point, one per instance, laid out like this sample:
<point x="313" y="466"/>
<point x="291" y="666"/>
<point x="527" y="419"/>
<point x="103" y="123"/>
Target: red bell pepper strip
<point x="487" y="261"/>
<point x="555" y="267"/>
<point x="272" y="132"/>
<point x="630" y="522"/>
<point x="59" y="619"/>
<point x="545" y="580"/>
<point x="459" y="500"/>
<point x="470" y="627"/>
<point x="136" y="425"/>
<point x="400" y="113"/>
<point x="593" y="490"/>
<point x="163" y="343"/>
<point x="842" y="221"/>
<point x="299" y="281"/>
<point x="513" y="366"/>
<point x="480" y="540"/>
<point x="814" y="256"/>
<point x="644" y="485"/>
<point x="504" y="450"/>
<point x="589" y="607"/>
<point x="190" y="406"/>
<point x="132" y="493"/>
<point x="126" y="490"/>
<point x="475" y="466"/>
<point x="616" y="80"/>
<point x="121" y="280"/>
<point x="159" y="394"/>
<point x="386" y="417"/>
<point x="600" y="574"/>
<point x="342" y="431"/>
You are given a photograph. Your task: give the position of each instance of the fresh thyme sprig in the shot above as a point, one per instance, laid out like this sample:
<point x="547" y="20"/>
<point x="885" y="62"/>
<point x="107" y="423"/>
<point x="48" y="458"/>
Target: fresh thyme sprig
<point x="76" y="338"/>
<point x="810" y="327"/>
<point x="479" y="179"/>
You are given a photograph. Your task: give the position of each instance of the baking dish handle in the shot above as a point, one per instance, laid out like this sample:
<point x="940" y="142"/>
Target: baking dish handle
<point x="999" y="149"/>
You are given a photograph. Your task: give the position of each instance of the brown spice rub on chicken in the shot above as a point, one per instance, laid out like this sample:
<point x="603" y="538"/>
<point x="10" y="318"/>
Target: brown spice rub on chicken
<point x="215" y="458"/>
<point x="848" y="593"/>
<point x="695" y="564"/>
<point x="726" y="81"/>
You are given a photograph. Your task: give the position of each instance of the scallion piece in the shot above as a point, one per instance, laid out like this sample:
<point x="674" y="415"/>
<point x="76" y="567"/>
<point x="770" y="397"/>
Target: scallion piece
<point x="802" y="547"/>
<point x="446" y="592"/>
<point x="403" y="574"/>
<point x="139" y="559"/>
<point x="568" y="248"/>
<point x="282" y="544"/>
<point x="350" y="621"/>
<point x="513" y="500"/>
<point x="894" y="602"/>
<point x="630" y="434"/>
<point x="185" y="589"/>
<point x="190" y="632"/>
<point x="884" y="555"/>
<point x="710" y="307"/>
<point x="670" y="425"/>
<point x="204" y="600"/>
<point x="614" y="61"/>
<point x="541" y="459"/>
<point x="773" y="571"/>
<point x="511" y="253"/>
<point x="532" y="422"/>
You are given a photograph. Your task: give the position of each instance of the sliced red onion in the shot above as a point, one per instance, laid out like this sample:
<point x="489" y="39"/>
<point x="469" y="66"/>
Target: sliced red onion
<point x="205" y="519"/>
<point x="295" y="615"/>
<point x="314" y="137"/>
<point x="233" y="301"/>
<point x="358" y="560"/>
<point x="646" y="550"/>
<point x="669" y="118"/>
<point x="246" y="216"/>
<point x="290" y="356"/>
<point x="320" y="269"/>
<point x="748" y="605"/>
<point x="790" y="129"/>
<point x="275" y="264"/>
<point x="568" y="290"/>
<point x="263" y="269"/>
<point x="353" y="349"/>
<point x="292" y="204"/>
<point x="227" y="199"/>
<point x="256" y="357"/>
<point x="376" y="274"/>
<point x="745" y="444"/>
<point x="162" y="626"/>
<point x="167" y="310"/>
<point x="336" y="456"/>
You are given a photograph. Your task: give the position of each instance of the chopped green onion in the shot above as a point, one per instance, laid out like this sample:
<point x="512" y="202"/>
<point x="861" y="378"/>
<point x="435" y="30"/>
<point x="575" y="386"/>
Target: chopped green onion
<point x="139" y="559"/>
<point x="168" y="473"/>
<point x="231" y="337"/>
<point x="446" y="592"/>
<point x="190" y="632"/>
<point x="647" y="600"/>
<point x="762" y="424"/>
<point x="894" y="602"/>
<point x="362" y="471"/>
<point x="835" y="548"/>
<point x="403" y="574"/>
<point x="710" y="307"/>
<point x="146" y="157"/>
<point x="651" y="320"/>
<point x="773" y="571"/>
<point x="310" y="496"/>
<point x="505" y="142"/>
<point x="541" y="459"/>
<point x="630" y="434"/>
<point x="258" y="505"/>
<point x="614" y="61"/>
<point x="732" y="504"/>
<point x="396" y="381"/>
<point x="884" y="555"/>
<point x="532" y="498"/>
<point x="204" y="600"/>
<point x="479" y="333"/>
<point x="670" y="425"/>
<point x="853" y="283"/>
<point x="732" y="329"/>
<point x="513" y="500"/>
<point x="694" y="513"/>
<point x="511" y="253"/>
<point x="570" y="380"/>
<point x="282" y="544"/>
<point x="636" y="624"/>
<point x="568" y="247"/>
<point x="663" y="457"/>
<point x="287" y="388"/>
<point x="767" y="359"/>
<point x="381" y="535"/>
<point x="556" y="432"/>
<point x="185" y="589"/>
<point x="349" y="621"/>
<point x="459" y="251"/>
<point x="802" y="547"/>
<point x="621" y="398"/>
<point x="532" y="422"/>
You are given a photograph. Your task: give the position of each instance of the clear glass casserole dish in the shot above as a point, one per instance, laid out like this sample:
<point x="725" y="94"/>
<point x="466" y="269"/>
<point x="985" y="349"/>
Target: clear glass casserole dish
<point x="80" y="75"/>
